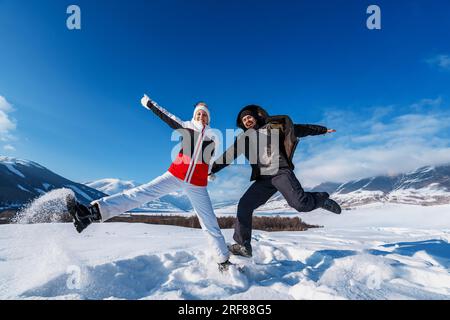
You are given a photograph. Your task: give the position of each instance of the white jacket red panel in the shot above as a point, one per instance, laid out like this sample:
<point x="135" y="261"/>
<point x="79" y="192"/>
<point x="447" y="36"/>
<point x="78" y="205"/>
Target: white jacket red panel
<point x="192" y="163"/>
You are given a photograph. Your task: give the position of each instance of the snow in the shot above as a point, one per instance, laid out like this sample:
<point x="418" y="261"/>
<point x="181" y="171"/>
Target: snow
<point x="22" y="188"/>
<point x="16" y="161"/>
<point x="423" y="170"/>
<point x="430" y="194"/>
<point x="40" y="191"/>
<point x="47" y="208"/>
<point x="14" y="170"/>
<point x="359" y="195"/>
<point x="410" y="217"/>
<point x="375" y="252"/>
<point x="80" y="192"/>
<point x="111" y="186"/>
<point x="368" y="183"/>
<point x="46" y="185"/>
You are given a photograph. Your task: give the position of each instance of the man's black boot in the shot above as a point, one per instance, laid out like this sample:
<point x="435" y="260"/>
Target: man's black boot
<point x="332" y="206"/>
<point x="240" y="250"/>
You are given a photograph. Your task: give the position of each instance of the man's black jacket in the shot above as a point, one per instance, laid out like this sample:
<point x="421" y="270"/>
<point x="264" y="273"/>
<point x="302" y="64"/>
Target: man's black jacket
<point x="289" y="138"/>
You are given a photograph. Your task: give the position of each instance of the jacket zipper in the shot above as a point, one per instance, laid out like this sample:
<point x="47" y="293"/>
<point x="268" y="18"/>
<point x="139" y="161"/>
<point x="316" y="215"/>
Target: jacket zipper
<point x="191" y="168"/>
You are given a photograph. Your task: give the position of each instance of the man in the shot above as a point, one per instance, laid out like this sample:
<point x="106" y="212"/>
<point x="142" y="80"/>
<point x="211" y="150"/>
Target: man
<point x="188" y="172"/>
<point x="272" y="168"/>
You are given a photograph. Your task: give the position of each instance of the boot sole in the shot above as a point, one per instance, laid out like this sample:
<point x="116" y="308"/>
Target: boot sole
<point x="334" y="207"/>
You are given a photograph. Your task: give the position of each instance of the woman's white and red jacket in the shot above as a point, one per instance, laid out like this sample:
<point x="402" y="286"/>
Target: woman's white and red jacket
<point x="192" y="162"/>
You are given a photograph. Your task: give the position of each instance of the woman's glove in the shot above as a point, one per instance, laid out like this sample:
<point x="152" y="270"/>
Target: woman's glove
<point x="144" y="101"/>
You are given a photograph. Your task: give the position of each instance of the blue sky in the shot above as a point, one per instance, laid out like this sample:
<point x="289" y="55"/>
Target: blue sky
<point x="70" y="99"/>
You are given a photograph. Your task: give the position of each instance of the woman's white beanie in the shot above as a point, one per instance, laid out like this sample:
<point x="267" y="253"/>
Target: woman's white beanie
<point x="204" y="108"/>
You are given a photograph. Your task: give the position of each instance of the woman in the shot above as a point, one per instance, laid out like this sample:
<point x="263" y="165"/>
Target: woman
<point x="188" y="172"/>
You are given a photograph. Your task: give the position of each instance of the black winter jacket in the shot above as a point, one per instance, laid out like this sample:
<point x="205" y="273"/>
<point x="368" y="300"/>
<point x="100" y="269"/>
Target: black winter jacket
<point x="289" y="134"/>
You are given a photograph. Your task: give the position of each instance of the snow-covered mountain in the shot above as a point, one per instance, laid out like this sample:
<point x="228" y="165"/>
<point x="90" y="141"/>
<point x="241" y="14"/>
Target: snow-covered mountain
<point x="23" y="180"/>
<point x="111" y="186"/>
<point x="329" y="187"/>
<point x="425" y="186"/>
<point x="174" y="202"/>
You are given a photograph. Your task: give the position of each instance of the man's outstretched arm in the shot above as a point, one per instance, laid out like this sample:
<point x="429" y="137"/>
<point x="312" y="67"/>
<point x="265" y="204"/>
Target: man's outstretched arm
<point x="303" y="130"/>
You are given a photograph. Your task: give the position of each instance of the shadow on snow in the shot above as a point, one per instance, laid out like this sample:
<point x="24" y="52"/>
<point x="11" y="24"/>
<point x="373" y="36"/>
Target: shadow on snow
<point x="436" y="248"/>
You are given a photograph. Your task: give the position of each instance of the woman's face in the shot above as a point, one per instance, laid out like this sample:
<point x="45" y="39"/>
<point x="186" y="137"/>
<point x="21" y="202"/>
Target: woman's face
<point x="202" y="116"/>
<point x="249" y="121"/>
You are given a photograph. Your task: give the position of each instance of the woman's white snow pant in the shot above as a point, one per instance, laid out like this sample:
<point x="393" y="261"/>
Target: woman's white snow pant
<point x="134" y="198"/>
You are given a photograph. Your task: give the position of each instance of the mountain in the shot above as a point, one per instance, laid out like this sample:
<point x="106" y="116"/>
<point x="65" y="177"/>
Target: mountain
<point x="173" y="202"/>
<point x="424" y="186"/>
<point x="329" y="187"/>
<point x="111" y="186"/>
<point x="23" y="180"/>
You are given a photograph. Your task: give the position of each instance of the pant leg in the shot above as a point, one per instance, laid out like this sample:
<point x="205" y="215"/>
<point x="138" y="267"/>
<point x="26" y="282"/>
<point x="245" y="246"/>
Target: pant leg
<point x="134" y="198"/>
<point x="257" y="195"/>
<point x="202" y="205"/>
<point x="287" y="183"/>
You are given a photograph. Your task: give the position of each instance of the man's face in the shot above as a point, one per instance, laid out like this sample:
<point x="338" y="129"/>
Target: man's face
<point x="202" y="116"/>
<point x="249" y="121"/>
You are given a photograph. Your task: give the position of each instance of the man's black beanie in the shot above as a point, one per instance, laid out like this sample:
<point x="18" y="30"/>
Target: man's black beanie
<point x="248" y="113"/>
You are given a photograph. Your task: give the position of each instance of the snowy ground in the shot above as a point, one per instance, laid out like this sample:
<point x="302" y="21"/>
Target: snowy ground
<point x="376" y="252"/>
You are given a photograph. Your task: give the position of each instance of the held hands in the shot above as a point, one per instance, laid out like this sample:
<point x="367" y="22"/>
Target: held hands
<point x="144" y="101"/>
<point x="211" y="177"/>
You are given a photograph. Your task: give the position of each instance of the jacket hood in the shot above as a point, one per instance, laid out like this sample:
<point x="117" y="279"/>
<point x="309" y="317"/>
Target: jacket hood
<point x="204" y="108"/>
<point x="260" y="113"/>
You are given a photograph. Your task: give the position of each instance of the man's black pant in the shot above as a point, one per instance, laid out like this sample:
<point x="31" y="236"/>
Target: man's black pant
<point x="262" y="190"/>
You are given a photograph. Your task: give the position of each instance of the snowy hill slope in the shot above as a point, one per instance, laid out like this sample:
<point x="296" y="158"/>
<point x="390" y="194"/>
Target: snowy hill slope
<point x="379" y="252"/>
<point x="22" y="181"/>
